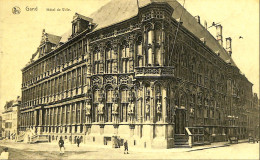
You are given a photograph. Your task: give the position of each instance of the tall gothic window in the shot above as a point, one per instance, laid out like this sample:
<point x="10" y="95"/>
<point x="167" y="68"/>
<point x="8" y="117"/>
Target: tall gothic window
<point x="125" y="57"/>
<point x="109" y="62"/>
<point x="97" y="58"/>
<point x="139" y="52"/>
<point x="158" y="42"/>
<point x="95" y="98"/>
<point x="150" y="38"/>
<point x="124" y="104"/>
<point x="108" y="112"/>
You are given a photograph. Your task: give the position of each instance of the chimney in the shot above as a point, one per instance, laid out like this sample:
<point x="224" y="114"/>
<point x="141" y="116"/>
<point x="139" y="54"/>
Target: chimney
<point x="205" y="24"/>
<point x="219" y="34"/>
<point x="229" y="45"/>
<point x="197" y="19"/>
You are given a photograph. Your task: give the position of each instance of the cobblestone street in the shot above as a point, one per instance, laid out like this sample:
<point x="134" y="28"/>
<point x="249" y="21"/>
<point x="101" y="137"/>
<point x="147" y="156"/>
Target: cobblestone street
<point x="51" y="151"/>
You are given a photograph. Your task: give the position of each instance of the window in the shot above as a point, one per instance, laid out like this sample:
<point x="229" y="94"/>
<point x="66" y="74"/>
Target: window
<point x="78" y="113"/>
<point x="63" y="120"/>
<point x="79" y="78"/>
<point x="69" y="80"/>
<point x="150" y="38"/>
<point x="124" y="105"/>
<point x="95" y="116"/>
<point x="73" y="118"/>
<point x="68" y="115"/>
<point x="125" y="57"/>
<point x="139" y="52"/>
<point x="96" y="61"/>
<point x="84" y="71"/>
<point x="158" y="40"/>
<point x="108" y="112"/>
<point x="109" y="62"/>
<point x="65" y="82"/>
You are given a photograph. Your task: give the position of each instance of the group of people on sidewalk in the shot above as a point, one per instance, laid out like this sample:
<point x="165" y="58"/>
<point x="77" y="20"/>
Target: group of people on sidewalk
<point x="62" y="147"/>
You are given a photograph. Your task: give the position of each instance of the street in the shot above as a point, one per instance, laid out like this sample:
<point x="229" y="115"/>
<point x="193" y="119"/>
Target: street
<point x="51" y="151"/>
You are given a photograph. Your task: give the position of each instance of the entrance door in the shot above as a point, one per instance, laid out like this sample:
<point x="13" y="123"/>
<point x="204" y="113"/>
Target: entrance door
<point x="180" y="121"/>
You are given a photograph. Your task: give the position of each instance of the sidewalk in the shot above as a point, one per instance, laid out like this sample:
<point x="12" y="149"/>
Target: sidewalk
<point x="87" y="147"/>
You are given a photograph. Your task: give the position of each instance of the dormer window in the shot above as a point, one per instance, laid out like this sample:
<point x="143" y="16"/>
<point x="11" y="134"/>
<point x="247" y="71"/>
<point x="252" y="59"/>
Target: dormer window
<point x="80" y="23"/>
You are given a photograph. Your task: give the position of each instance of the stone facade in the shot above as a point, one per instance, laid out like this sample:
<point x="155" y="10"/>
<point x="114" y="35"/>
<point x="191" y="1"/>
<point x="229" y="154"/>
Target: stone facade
<point x="133" y="81"/>
<point x="10" y="124"/>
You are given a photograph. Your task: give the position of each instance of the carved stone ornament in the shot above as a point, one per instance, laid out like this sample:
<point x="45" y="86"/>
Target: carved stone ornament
<point x="109" y="80"/>
<point x="115" y="108"/>
<point x="96" y="80"/>
<point x="88" y="109"/>
<point x="159" y="108"/>
<point x="123" y="79"/>
<point x="147" y="108"/>
<point x="101" y="108"/>
<point x="131" y="108"/>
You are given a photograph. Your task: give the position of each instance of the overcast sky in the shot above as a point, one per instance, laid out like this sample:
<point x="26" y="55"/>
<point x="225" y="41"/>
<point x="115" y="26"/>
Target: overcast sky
<point x="20" y="35"/>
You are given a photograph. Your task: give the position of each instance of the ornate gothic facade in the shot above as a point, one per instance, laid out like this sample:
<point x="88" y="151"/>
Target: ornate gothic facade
<point x="147" y="79"/>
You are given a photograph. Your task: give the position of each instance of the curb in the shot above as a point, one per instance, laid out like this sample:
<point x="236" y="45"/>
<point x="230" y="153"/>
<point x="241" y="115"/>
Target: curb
<point x="225" y="145"/>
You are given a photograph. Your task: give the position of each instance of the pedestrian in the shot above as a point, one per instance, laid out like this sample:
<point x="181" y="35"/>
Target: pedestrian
<point x="5" y="154"/>
<point x="126" y="147"/>
<point x="61" y="145"/>
<point x="78" y="141"/>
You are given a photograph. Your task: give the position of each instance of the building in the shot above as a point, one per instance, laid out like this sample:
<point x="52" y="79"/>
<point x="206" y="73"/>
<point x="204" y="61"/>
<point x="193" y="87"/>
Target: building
<point x="1" y="129"/>
<point x="10" y="125"/>
<point x="143" y="73"/>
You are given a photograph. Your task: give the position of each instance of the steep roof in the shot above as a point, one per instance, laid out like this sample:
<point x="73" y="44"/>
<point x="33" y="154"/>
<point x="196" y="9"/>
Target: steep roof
<point x="66" y="35"/>
<point x="119" y="10"/>
<point x="53" y="38"/>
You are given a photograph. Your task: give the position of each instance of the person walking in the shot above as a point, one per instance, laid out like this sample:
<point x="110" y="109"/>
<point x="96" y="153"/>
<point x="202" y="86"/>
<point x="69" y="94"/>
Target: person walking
<point x="61" y="145"/>
<point x="78" y="141"/>
<point x="126" y="147"/>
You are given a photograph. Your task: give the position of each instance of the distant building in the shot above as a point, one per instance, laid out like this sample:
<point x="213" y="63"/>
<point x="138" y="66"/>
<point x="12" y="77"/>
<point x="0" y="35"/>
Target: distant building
<point x="136" y="72"/>
<point x="10" y="115"/>
<point x="1" y="129"/>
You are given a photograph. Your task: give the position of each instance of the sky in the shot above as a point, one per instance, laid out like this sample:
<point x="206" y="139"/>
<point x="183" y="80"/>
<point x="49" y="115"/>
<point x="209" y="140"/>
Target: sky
<point x="20" y="34"/>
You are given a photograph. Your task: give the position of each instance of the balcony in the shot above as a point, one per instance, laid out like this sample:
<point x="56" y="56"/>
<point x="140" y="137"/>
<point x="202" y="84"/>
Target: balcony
<point x="165" y="71"/>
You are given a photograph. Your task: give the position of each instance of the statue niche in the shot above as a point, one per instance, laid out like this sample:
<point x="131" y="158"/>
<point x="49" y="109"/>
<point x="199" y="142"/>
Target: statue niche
<point x="132" y="105"/>
<point x="158" y="104"/>
<point x="115" y="108"/>
<point x="147" y="105"/>
<point x="88" y="109"/>
<point x="131" y="108"/>
<point x="100" y="108"/>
